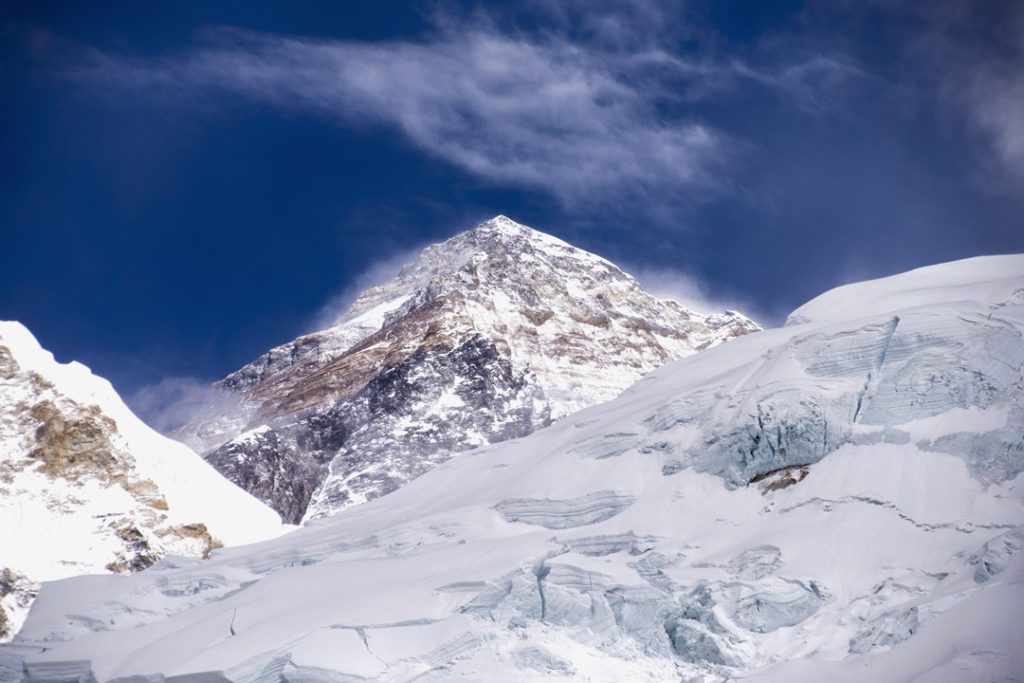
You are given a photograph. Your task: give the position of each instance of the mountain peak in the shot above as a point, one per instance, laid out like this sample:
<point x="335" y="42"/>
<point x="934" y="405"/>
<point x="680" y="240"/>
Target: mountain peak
<point x="502" y="221"/>
<point x="484" y="337"/>
<point x="503" y="230"/>
<point x="503" y="224"/>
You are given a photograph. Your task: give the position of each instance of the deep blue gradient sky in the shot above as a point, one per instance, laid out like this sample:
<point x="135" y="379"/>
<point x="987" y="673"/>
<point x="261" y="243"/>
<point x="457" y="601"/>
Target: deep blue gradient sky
<point x="184" y="185"/>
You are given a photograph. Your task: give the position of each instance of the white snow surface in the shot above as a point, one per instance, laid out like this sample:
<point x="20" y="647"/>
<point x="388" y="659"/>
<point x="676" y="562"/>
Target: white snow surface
<point x="967" y="282"/>
<point x="836" y="500"/>
<point x="54" y="527"/>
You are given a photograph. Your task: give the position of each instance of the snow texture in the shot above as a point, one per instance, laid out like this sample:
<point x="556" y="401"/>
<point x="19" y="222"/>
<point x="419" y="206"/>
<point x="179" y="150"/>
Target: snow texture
<point x="836" y="500"/>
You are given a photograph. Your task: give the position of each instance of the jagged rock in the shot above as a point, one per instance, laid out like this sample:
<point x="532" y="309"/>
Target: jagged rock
<point x="486" y="337"/>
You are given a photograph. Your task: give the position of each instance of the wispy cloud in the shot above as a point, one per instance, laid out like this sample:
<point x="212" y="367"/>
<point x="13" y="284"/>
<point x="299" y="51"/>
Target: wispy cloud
<point x="584" y="122"/>
<point x="974" y="53"/>
<point x="996" y="108"/>
<point x="811" y="84"/>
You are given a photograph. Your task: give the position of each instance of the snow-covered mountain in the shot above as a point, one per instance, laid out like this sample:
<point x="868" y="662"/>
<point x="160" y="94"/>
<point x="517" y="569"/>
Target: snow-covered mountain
<point x="839" y="499"/>
<point x="86" y="487"/>
<point x="485" y="337"/>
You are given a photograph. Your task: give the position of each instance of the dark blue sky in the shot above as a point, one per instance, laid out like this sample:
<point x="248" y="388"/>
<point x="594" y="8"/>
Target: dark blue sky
<point x="184" y="185"/>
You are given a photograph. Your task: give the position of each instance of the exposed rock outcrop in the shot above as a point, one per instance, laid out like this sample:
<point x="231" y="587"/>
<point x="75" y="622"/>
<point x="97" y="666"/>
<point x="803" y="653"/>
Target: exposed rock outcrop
<point x="485" y="337"/>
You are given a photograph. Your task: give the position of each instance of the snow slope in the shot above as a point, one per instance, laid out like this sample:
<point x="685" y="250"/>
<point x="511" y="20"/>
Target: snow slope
<point x="86" y="487"/>
<point x="837" y="499"/>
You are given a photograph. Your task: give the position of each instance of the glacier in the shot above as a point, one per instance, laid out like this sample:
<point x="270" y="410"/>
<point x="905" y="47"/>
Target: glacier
<point x="837" y="499"/>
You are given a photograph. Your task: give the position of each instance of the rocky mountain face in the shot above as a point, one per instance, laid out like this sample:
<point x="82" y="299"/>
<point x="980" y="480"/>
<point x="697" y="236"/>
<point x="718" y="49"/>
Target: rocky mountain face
<point x="80" y="491"/>
<point x="840" y="499"/>
<point x="485" y="337"/>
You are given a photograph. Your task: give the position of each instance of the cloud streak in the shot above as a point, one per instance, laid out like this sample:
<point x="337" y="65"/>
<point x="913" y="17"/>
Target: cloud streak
<point x="585" y="124"/>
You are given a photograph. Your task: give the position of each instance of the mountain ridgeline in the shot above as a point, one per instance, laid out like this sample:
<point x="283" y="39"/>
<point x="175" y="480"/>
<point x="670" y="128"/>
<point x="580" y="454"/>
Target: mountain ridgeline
<point x="486" y="337"/>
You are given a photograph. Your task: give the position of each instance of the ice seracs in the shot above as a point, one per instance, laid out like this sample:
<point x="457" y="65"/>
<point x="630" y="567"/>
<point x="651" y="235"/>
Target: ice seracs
<point x="487" y="336"/>
<point x="838" y="499"/>
<point x="86" y="487"/>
